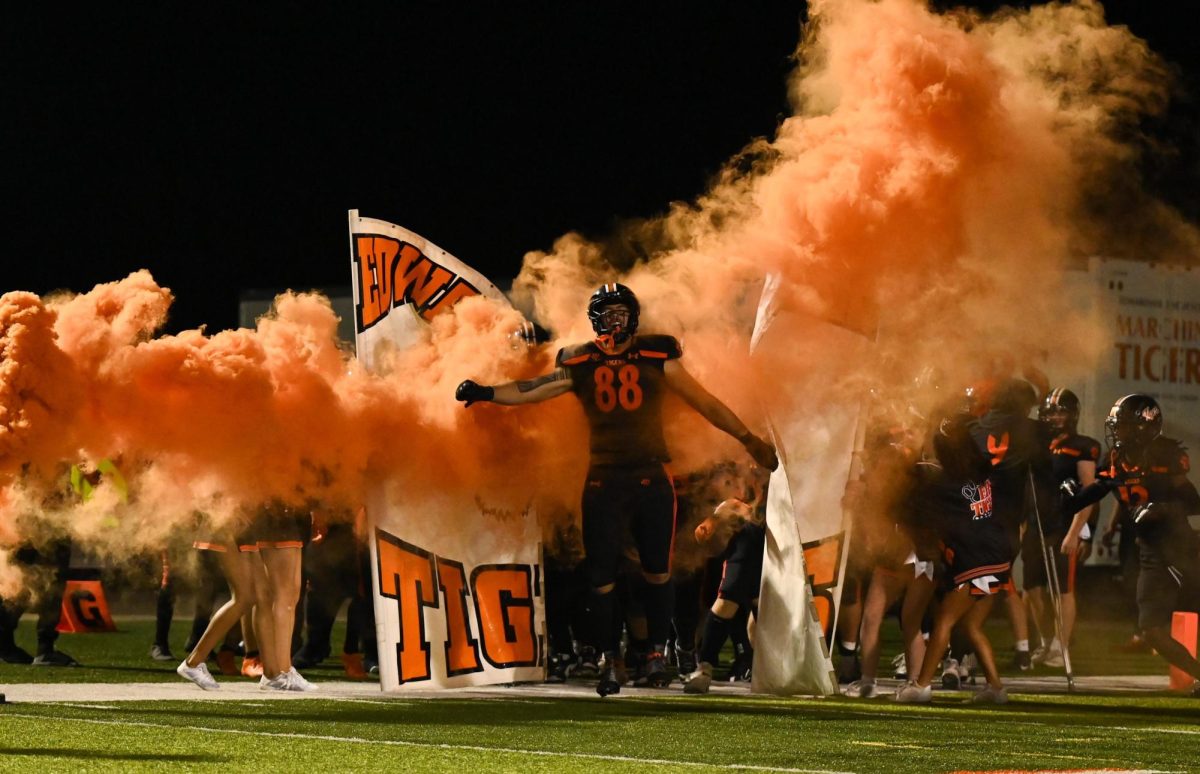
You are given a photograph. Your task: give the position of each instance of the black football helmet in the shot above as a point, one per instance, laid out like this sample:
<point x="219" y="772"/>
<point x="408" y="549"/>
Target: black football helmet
<point x="1133" y="422"/>
<point x="613" y="327"/>
<point x="1058" y="403"/>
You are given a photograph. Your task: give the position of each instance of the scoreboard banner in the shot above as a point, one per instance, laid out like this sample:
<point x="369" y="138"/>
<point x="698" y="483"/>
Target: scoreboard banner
<point x="453" y="607"/>
<point x="816" y="430"/>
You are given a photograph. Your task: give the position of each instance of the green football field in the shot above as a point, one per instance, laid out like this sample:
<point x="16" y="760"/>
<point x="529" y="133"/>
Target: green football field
<point x="536" y="729"/>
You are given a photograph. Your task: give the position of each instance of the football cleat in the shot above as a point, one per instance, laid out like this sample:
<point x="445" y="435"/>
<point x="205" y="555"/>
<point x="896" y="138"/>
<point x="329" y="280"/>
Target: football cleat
<point x="911" y="693"/>
<point x="560" y="665"/>
<point x="198" y="675"/>
<point x="161" y="653"/>
<point x="608" y="684"/>
<point x="968" y="668"/>
<point x="900" y="667"/>
<point x="849" y="668"/>
<point x="951" y="679"/>
<point x="586" y="666"/>
<point x="654" y="674"/>
<point x="54" y="658"/>
<point x="252" y="666"/>
<point x="700" y="680"/>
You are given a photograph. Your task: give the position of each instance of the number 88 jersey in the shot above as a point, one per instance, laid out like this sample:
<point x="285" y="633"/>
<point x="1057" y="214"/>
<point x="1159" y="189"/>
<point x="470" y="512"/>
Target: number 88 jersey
<point x="622" y="398"/>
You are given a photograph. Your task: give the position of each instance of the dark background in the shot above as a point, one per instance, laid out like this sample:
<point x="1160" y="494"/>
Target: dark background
<point x="222" y="150"/>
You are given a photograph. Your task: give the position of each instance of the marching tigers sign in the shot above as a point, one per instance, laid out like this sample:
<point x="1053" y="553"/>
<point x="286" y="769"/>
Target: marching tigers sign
<point x="453" y="607"/>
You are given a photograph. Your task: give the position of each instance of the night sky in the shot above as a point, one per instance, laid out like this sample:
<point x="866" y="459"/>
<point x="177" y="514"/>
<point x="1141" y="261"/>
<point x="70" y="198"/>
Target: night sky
<point x="221" y="151"/>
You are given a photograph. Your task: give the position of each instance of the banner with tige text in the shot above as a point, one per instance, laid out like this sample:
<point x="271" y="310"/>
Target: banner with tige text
<point x="453" y="607"/>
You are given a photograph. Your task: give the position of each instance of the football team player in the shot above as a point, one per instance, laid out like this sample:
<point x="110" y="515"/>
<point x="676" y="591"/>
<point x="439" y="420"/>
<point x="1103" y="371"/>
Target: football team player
<point x="621" y="378"/>
<point x="1148" y="473"/>
<point x="1073" y="457"/>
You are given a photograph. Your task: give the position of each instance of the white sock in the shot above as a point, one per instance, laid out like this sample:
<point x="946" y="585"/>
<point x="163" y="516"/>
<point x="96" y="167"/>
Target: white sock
<point x="1023" y="646"/>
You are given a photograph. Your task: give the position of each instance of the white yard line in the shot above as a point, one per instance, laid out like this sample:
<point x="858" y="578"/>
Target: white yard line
<point x="427" y="745"/>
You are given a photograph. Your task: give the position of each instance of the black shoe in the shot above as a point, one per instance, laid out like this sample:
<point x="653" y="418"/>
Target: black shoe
<point x="586" y="666"/>
<point x="54" y="658"/>
<point x="305" y="660"/>
<point x="609" y="684"/>
<point x="849" y="669"/>
<point x="372" y="667"/>
<point x="685" y="661"/>
<point x="15" y="655"/>
<point x="1022" y="661"/>
<point x="743" y="662"/>
<point x="654" y="673"/>
<point x="162" y="653"/>
<point x="560" y="665"/>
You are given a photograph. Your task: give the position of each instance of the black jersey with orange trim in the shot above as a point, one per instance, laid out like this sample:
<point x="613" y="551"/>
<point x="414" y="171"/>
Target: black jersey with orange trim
<point x="622" y="397"/>
<point x="1067" y="450"/>
<point x="963" y="514"/>
<point x="1152" y="476"/>
<point x="1016" y="447"/>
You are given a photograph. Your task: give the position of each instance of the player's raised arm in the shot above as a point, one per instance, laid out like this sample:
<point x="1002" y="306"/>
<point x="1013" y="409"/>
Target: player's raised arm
<point x="717" y="413"/>
<point x="535" y="390"/>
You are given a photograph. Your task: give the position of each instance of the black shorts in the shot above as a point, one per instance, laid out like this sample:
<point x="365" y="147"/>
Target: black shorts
<point x="1163" y="588"/>
<point x="1035" y="566"/>
<point x="985" y="556"/>
<point x="277" y="527"/>
<point x="623" y="503"/>
<point x="741" y="574"/>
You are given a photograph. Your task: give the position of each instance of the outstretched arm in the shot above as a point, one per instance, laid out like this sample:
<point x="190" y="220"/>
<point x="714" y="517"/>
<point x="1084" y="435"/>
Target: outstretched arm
<point x="534" y="390"/>
<point x="717" y="413"/>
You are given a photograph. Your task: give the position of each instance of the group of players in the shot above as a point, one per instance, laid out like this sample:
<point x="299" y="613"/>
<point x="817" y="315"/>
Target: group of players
<point x="945" y="507"/>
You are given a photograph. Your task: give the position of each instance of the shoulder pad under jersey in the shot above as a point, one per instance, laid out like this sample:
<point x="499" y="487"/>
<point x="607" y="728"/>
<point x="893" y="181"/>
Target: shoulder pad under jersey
<point x="1168" y="456"/>
<point x="575" y="354"/>
<point x="659" y="346"/>
<point x="1089" y="447"/>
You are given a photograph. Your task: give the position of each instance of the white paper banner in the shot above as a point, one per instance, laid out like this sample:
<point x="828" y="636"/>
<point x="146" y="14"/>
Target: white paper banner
<point x="453" y="607"/>
<point x="816" y="430"/>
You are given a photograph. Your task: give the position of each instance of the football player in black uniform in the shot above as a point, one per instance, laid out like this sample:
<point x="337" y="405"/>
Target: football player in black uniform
<point x="621" y="378"/>
<point x="1073" y="457"/>
<point x="1148" y="472"/>
<point x="955" y="493"/>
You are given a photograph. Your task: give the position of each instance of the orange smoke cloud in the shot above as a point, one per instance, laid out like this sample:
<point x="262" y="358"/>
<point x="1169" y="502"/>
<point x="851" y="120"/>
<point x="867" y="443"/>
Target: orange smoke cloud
<point x="931" y="188"/>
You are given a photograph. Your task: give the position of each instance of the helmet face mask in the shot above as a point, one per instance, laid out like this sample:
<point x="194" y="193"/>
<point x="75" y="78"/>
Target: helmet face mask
<point x="1060" y="411"/>
<point x="613" y="311"/>
<point x="1133" y="422"/>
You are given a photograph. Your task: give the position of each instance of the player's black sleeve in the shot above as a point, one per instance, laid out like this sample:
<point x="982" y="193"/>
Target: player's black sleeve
<point x="1092" y="493"/>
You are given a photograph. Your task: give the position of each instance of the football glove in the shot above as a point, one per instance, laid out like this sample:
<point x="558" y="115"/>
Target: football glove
<point x="762" y="452"/>
<point x="469" y="392"/>
<point x="1069" y="488"/>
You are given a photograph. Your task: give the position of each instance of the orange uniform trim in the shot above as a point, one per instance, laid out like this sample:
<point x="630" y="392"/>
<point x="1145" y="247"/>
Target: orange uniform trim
<point x="652" y="353"/>
<point x="576" y="360"/>
<point x="280" y="544"/>
<point x="201" y="545"/>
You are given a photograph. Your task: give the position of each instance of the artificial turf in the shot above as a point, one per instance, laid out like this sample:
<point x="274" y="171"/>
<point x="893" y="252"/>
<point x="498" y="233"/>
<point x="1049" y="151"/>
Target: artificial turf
<point x="1033" y="732"/>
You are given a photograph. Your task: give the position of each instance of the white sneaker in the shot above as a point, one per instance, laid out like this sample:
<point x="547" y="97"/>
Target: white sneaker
<point x="277" y="683"/>
<point x="700" y="680"/>
<point x="968" y="668"/>
<point x="296" y="681"/>
<point x="862" y="689"/>
<point x="990" y="695"/>
<point x="198" y="675"/>
<point x="1053" y="656"/>
<point x="900" y="667"/>
<point x="951" y="677"/>
<point x="912" y="693"/>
